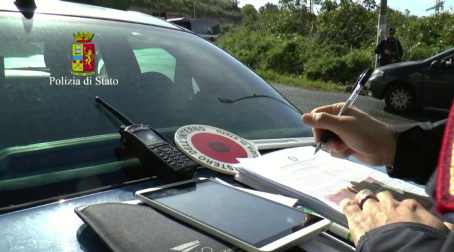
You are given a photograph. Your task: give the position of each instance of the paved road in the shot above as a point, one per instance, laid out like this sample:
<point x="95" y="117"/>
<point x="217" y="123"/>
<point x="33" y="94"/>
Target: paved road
<point x="306" y="100"/>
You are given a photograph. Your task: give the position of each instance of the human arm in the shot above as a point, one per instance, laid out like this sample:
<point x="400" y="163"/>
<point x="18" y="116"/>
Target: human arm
<point x="384" y="224"/>
<point x="357" y="134"/>
<point x="417" y="149"/>
<point x="409" y="151"/>
<point x="400" y="237"/>
<point x="380" y="48"/>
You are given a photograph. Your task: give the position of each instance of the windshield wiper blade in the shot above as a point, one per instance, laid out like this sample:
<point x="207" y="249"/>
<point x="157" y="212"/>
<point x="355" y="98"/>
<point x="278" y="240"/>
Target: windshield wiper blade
<point x="227" y="100"/>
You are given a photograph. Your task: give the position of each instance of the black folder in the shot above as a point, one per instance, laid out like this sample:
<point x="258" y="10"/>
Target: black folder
<point x="131" y="227"/>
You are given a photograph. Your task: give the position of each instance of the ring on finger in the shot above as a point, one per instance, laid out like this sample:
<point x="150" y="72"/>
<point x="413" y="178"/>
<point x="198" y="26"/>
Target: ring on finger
<point x="364" y="198"/>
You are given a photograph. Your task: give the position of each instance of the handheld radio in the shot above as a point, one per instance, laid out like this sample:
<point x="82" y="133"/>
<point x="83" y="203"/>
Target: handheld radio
<point x="153" y="150"/>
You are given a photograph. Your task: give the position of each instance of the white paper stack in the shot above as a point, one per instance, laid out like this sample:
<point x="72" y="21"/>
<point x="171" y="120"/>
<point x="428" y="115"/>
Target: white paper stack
<point x="300" y="174"/>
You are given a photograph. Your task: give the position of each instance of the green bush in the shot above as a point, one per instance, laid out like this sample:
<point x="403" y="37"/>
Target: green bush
<point x="333" y="47"/>
<point x="226" y="28"/>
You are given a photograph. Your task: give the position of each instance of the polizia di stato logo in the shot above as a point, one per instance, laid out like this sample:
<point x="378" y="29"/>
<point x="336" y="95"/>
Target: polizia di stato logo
<point x="83" y="54"/>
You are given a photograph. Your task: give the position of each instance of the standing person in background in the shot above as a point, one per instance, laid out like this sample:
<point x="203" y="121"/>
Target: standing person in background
<point x="390" y="49"/>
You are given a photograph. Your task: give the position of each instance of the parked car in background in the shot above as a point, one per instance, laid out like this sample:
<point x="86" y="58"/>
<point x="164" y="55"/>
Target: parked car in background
<point x="207" y="29"/>
<point x="412" y="85"/>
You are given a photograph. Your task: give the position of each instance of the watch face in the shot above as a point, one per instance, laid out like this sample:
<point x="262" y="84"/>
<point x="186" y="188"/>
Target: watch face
<point x="148" y="137"/>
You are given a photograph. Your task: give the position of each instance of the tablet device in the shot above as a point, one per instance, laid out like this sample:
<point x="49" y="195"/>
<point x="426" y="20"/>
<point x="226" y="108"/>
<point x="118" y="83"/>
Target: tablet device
<point x="245" y="220"/>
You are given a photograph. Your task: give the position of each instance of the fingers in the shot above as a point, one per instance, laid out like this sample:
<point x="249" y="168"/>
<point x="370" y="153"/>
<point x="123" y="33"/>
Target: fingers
<point x="385" y="196"/>
<point x="330" y="109"/>
<point x="317" y="133"/>
<point x="326" y="117"/>
<point x="448" y="225"/>
<point x="388" y="199"/>
<point x="366" y="200"/>
<point x="327" y="121"/>
<point x="353" y="214"/>
<point x="333" y="144"/>
<point x="412" y="204"/>
<point x="342" y="155"/>
<point x="319" y="120"/>
<point x="337" y="145"/>
<point x="350" y="208"/>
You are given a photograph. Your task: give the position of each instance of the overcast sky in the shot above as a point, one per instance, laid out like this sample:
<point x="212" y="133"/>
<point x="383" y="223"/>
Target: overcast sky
<point x="416" y="7"/>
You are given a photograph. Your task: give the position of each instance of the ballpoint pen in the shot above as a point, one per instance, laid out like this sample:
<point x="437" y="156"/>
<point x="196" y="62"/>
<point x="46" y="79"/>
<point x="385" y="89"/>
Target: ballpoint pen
<point x="359" y="86"/>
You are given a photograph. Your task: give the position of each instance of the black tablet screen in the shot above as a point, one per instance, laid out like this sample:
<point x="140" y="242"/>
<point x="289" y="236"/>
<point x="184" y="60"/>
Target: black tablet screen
<point x="247" y="217"/>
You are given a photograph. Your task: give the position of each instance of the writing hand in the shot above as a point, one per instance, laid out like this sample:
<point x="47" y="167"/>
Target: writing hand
<point x="385" y="211"/>
<point x="358" y="134"/>
<point x="387" y="52"/>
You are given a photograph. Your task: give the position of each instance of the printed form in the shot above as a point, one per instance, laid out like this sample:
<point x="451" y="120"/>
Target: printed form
<point x="320" y="176"/>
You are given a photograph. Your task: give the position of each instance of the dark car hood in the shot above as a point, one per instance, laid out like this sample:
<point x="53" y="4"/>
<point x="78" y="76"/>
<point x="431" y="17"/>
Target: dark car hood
<point x="398" y="65"/>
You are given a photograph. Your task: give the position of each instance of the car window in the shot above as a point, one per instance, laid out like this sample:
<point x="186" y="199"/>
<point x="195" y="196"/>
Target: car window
<point x="448" y="58"/>
<point x="57" y="141"/>
<point x="27" y="64"/>
<point x="184" y="24"/>
<point x="155" y="60"/>
<point x="201" y="27"/>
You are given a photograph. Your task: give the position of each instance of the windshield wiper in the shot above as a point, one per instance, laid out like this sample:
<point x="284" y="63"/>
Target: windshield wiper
<point x="227" y="100"/>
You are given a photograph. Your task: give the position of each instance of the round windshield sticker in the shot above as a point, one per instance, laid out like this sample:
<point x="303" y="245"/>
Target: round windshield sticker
<point x="214" y="148"/>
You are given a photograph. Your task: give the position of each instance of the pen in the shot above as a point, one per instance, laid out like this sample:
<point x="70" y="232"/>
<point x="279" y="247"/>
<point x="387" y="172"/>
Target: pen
<point x="363" y="78"/>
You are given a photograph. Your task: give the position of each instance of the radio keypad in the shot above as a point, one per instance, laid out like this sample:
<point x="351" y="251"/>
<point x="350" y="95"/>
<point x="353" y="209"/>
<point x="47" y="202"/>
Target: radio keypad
<point x="171" y="155"/>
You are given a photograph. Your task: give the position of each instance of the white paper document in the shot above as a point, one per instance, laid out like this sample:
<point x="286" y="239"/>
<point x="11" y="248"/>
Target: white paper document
<point x="298" y="173"/>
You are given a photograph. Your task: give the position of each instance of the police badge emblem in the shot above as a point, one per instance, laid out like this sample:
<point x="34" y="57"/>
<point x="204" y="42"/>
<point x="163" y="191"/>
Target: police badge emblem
<point x="83" y="55"/>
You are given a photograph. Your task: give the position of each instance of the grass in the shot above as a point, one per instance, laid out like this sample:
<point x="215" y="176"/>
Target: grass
<point x="299" y="81"/>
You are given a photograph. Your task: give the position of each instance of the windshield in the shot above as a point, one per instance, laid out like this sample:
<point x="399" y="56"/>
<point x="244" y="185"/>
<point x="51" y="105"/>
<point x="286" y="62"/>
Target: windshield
<point x="57" y="141"/>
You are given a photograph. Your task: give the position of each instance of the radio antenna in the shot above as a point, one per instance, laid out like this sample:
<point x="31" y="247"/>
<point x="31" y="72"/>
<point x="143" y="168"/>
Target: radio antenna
<point x="115" y="112"/>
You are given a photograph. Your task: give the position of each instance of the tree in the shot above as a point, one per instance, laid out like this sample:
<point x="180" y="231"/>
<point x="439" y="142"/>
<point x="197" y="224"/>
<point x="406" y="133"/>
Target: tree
<point x="346" y="23"/>
<point x="292" y="4"/>
<point x="370" y="4"/>
<point x="269" y="7"/>
<point x="248" y="10"/>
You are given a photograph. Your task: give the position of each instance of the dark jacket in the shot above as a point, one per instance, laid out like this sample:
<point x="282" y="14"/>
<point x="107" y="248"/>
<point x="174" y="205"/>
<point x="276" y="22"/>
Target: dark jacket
<point x="416" y="157"/>
<point x="392" y="45"/>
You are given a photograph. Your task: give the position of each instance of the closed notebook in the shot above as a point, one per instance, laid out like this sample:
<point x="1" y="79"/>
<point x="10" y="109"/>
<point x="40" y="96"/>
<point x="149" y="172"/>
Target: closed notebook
<point x="129" y="227"/>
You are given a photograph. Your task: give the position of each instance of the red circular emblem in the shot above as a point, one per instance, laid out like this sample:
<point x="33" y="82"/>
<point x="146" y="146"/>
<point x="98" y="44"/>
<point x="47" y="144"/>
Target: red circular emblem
<point x="218" y="147"/>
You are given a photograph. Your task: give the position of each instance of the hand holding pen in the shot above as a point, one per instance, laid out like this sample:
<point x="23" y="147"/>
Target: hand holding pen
<point x="358" y="87"/>
<point x="354" y="132"/>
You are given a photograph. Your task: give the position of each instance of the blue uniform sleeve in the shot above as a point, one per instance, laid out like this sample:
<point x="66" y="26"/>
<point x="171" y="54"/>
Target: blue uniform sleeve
<point x="402" y="237"/>
<point x="417" y="150"/>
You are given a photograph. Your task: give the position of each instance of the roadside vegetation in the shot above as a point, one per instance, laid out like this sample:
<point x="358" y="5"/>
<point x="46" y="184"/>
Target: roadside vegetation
<point x="289" y="44"/>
